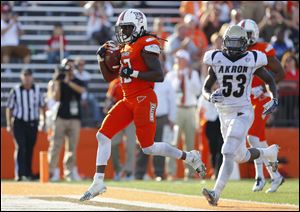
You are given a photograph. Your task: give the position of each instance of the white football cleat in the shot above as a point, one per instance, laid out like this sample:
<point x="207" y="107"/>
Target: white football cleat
<point x="273" y="160"/>
<point x="275" y="184"/>
<point x="193" y="158"/>
<point x="94" y="190"/>
<point x="210" y="196"/>
<point x="259" y="184"/>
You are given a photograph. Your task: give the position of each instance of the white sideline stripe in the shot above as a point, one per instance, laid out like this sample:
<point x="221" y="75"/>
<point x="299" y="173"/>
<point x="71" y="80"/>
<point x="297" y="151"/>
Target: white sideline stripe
<point x="22" y="203"/>
<point x="200" y="196"/>
<point x="141" y="204"/>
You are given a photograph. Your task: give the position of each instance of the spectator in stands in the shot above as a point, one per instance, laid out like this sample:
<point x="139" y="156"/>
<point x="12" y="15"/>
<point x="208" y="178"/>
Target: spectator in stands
<point x="210" y="21"/>
<point x="159" y="30"/>
<point x="270" y="22"/>
<point x="99" y="26"/>
<point x="187" y="85"/>
<point x="235" y="17"/>
<point x="179" y="40"/>
<point x="254" y="10"/>
<point x="191" y="7"/>
<point x="10" y="33"/>
<point x="280" y="44"/>
<point x="56" y="45"/>
<point x="289" y="90"/>
<point x="67" y="91"/>
<point x="165" y="119"/>
<point x="24" y="103"/>
<point x="90" y="110"/>
<point x="113" y="95"/>
<point x="197" y="35"/>
<point x="291" y="79"/>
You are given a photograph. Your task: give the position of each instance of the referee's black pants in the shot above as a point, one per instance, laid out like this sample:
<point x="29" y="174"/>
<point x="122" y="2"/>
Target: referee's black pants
<point x="25" y="134"/>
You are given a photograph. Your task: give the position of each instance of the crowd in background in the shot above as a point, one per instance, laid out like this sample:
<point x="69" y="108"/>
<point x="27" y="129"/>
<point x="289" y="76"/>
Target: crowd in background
<point x="200" y="28"/>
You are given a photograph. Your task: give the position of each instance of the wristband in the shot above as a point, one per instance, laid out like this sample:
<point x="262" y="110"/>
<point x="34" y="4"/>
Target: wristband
<point x="135" y="74"/>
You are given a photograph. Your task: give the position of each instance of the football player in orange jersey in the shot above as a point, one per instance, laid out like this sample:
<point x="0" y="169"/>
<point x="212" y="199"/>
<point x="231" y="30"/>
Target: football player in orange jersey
<point x="140" y="68"/>
<point x="257" y="134"/>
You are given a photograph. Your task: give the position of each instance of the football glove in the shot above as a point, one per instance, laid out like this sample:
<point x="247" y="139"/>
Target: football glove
<point x="107" y="46"/>
<point x="128" y="72"/>
<point x="257" y="91"/>
<point x="270" y="106"/>
<point x="216" y="96"/>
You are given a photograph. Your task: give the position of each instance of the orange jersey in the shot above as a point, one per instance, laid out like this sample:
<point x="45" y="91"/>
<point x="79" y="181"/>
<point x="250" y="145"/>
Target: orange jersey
<point x="269" y="51"/>
<point x="115" y="90"/>
<point x="131" y="57"/>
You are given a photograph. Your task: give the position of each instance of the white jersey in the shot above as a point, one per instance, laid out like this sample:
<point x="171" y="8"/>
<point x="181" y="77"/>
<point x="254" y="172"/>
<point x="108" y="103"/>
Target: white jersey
<point x="235" y="76"/>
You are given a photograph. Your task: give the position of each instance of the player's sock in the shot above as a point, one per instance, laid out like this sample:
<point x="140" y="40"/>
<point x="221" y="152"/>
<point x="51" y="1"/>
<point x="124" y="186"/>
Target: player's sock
<point x="224" y="173"/>
<point x="273" y="175"/>
<point x="258" y="163"/>
<point x="163" y="149"/>
<point x="104" y="149"/>
<point x="99" y="177"/>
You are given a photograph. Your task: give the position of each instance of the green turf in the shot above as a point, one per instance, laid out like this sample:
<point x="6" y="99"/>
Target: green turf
<point x="240" y="190"/>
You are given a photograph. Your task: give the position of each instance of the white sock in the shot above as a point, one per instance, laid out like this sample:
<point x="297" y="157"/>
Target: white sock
<point x="266" y="162"/>
<point x="163" y="149"/>
<point x="258" y="163"/>
<point x="224" y="173"/>
<point x="104" y="149"/>
<point x="99" y="177"/>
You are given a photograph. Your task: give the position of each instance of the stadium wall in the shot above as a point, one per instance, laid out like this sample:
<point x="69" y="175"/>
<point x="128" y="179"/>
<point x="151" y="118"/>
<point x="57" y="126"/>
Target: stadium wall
<point x="287" y="138"/>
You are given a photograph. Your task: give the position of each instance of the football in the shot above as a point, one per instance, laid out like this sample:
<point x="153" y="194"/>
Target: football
<point x="112" y="59"/>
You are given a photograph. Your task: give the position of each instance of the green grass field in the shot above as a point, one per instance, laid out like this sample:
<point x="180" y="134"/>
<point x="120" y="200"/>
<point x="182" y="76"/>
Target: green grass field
<point x="239" y="190"/>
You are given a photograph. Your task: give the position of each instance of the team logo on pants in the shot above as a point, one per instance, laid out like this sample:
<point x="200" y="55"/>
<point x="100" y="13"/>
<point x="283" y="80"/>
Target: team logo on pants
<point x="152" y="110"/>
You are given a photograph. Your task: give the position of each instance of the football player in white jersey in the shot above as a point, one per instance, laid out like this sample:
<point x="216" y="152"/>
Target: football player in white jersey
<point x="233" y="68"/>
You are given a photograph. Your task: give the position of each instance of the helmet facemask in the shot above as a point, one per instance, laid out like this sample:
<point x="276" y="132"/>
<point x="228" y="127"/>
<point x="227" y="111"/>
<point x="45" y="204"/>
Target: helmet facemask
<point x="125" y="35"/>
<point x="234" y="46"/>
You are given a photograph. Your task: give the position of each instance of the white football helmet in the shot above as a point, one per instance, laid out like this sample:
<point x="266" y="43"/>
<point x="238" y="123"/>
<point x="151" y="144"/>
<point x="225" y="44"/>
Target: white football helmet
<point x="134" y="18"/>
<point x="252" y="30"/>
<point x="235" y="41"/>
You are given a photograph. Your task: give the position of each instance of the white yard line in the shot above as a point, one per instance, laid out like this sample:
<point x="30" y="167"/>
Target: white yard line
<point x="21" y="203"/>
<point x="200" y="196"/>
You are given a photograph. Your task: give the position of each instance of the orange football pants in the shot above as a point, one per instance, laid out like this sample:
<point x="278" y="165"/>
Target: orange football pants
<point x="141" y="109"/>
<point x="258" y="128"/>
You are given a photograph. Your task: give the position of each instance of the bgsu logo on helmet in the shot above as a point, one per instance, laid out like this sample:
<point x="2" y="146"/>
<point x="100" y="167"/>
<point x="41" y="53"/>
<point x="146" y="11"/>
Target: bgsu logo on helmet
<point x="138" y="16"/>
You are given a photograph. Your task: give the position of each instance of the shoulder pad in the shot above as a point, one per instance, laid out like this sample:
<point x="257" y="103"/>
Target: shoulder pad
<point x="153" y="48"/>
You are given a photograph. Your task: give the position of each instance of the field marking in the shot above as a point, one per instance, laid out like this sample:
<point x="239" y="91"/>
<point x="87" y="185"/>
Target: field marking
<point x="200" y="196"/>
<point x="117" y="194"/>
<point x="14" y="203"/>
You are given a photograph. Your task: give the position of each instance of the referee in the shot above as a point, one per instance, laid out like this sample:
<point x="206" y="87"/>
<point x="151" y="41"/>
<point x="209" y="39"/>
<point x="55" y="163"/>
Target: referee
<point x="22" y="117"/>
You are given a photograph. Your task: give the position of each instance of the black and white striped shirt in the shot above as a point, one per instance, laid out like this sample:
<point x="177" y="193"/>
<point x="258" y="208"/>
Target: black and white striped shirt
<point x="26" y="103"/>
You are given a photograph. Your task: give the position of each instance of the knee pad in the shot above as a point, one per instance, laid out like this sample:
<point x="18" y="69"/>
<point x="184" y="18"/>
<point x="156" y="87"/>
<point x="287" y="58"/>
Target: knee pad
<point x="231" y="145"/>
<point x="101" y="138"/>
<point x="253" y="141"/>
